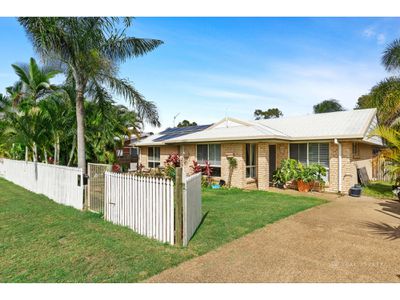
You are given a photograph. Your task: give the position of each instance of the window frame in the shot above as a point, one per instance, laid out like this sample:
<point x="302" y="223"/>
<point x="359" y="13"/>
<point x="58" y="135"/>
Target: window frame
<point x="208" y="157"/>
<point x="151" y="162"/>
<point x="252" y="157"/>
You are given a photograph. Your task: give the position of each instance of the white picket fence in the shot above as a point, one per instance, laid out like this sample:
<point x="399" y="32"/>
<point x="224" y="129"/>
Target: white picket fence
<point x="62" y="184"/>
<point x="192" y="213"/>
<point x="144" y="204"/>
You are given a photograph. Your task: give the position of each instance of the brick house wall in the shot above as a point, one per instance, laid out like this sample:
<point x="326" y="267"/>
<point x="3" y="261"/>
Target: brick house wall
<point x="282" y="152"/>
<point x="188" y="156"/>
<point x="165" y="151"/>
<point x="143" y="156"/>
<point x="239" y="173"/>
<point x="349" y="163"/>
<point x="263" y="166"/>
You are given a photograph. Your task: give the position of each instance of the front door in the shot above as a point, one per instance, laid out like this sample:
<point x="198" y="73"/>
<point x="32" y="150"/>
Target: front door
<point x="272" y="161"/>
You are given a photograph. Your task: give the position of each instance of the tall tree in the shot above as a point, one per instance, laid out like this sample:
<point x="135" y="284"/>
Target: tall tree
<point x="326" y="106"/>
<point x="364" y="101"/>
<point x="89" y="50"/>
<point x="391" y="56"/>
<point x="186" y="123"/>
<point x="27" y="118"/>
<point x="271" y="113"/>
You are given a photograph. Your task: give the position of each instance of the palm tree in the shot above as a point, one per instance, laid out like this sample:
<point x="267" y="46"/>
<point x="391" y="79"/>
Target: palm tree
<point x="325" y="106"/>
<point x="33" y="85"/>
<point x="385" y="96"/>
<point x="90" y="50"/>
<point x="35" y="81"/>
<point x="391" y="56"/>
<point x="392" y="153"/>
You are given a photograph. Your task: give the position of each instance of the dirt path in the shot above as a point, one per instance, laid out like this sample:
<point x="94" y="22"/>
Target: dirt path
<point x="346" y="240"/>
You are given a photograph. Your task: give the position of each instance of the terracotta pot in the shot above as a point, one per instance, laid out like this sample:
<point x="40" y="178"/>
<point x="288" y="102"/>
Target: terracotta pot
<point x="303" y="186"/>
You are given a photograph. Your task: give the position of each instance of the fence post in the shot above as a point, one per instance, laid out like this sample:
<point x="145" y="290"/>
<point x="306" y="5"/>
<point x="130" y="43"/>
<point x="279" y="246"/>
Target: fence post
<point x="178" y="199"/>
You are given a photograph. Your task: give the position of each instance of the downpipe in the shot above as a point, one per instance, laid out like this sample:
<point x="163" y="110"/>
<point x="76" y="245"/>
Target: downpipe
<point x="339" y="165"/>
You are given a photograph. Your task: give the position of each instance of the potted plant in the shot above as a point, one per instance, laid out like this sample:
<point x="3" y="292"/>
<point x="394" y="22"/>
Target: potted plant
<point x="287" y="172"/>
<point x="308" y="176"/>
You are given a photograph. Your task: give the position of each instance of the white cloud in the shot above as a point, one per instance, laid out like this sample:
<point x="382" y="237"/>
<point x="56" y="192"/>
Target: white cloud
<point x="381" y="38"/>
<point x="372" y="33"/>
<point x="369" y="32"/>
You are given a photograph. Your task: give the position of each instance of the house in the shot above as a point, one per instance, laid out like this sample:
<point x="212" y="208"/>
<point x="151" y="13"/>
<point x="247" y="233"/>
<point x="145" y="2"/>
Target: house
<point x="128" y="155"/>
<point x="339" y="141"/>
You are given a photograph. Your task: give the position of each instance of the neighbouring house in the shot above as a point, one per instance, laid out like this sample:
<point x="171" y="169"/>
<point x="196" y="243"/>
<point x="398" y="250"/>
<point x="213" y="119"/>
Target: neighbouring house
<point x="128" y="155"/>
<point x="339" y="141"/>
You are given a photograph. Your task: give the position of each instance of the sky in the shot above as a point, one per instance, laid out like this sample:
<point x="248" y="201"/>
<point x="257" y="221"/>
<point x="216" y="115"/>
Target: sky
<point x="210" y="68"/>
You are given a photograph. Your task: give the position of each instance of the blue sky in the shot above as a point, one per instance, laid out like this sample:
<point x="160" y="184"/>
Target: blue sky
<point x="210" y="68"/>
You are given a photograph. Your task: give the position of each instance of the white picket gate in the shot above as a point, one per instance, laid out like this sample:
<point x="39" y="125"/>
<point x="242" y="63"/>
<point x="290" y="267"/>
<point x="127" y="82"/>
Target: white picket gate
<point x="192" y="214"/>
<point x="62" y="184"/>
<point x="144" y="204"/>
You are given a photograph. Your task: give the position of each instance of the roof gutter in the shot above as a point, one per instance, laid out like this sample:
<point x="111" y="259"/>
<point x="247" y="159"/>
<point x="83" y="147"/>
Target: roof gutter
<point x="339" y="165"/>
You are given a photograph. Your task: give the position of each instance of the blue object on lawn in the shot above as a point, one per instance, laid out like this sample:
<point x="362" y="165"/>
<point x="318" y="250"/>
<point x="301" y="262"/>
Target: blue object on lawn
<point x="215" y="186"/>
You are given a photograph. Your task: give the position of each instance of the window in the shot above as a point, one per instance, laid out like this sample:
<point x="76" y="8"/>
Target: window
<point x="134" y="152"/>
<point x="120" y="152"/>
<point x="356" y="150"/>
<point x="311" y="153"/>
<point x="154" y="157"/>
<point x="299" y="152"/>
<point x="212" y="154"/>
<point x="250" y="160"/>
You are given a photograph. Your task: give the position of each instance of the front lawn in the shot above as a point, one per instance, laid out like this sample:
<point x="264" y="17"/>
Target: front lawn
<point x="379" y="189"/>
<point x="41" y="241"/>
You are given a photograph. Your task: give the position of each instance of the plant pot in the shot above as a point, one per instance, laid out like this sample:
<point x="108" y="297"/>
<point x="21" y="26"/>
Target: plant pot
<point x="303" y="186"/>
<point x="280" y="185"/>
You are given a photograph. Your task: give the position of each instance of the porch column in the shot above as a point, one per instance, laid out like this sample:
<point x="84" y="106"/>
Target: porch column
<point x="262" y="166"/>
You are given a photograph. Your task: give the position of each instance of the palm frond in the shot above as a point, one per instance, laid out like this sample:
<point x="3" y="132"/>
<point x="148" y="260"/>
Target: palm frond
<point x="147" y="110"/>
<point x="391" y="56"/>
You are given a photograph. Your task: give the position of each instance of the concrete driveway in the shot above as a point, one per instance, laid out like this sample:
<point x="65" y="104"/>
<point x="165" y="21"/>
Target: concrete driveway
<point x="346" y="240"/>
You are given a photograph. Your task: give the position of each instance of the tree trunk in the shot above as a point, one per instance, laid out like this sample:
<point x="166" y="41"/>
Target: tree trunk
<point x="57" y="150"/>
<point x="80" y="130"/>
<point x="45" y="154"/>
<point x="55" y="153"/>
<point x="71" y="154"/>
<point x="35" y="156"/>
<point x="26" y="153"/>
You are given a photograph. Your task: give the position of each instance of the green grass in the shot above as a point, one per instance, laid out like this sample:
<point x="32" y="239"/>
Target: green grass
<point x="379" y="189"/>
<point x="41" y="241"/>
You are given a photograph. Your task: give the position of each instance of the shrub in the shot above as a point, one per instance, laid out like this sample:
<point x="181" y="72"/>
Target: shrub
<point x="291" y="169"/>
<point x="174" y="160"/>
<point x="196" y="167"/>
<point x="288" y="170"/>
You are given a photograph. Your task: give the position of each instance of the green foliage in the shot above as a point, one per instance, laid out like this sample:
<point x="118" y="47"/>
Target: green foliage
<point x="291" y="169"/>
<point x="392" y="153"/>
<point x="89" y="50"/>
<point x="288" y="170"/>
<point x="311" y="173"/>
<point x="271" y="113"/>
<point x="379" y="189"/>
<point x="170" y="172"/>
<point x="186" y="123"/>
<point x="391" y="56"/>
<point x="326" y="106"/>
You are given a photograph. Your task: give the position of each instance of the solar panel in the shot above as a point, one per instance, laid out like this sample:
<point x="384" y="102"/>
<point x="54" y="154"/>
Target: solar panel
<point x="174" y="132"/>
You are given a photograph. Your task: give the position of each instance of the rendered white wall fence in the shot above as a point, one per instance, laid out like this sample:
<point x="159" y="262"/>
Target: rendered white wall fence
<point x="62" y="184"/>
<point x="144" y="204"/>
<point x="192" y="213"/>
